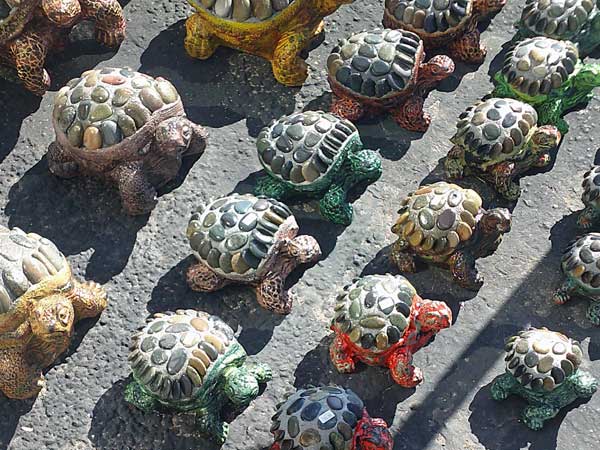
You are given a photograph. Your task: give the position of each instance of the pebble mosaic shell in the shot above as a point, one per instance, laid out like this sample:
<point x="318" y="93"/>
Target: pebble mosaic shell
<point x="25" y="260"/>
<point x="303" y="147"/>
<point x="541" y="359"/>
<point x="317" y="418"/>
<point x="243" y="10"/>
<point x="581" y="261"/>
<point x="432" y="16"/>
<point x="375" y="311"/>
<point x="235" y="235"/>
<point x="591" y="187"/>
<point x="538" y="65"/>
<point x="559" y="19"/>
<point x="377" y="63"/>
<point x="173" y="354"/>
<point x="436" y="218"/>
<point x="105" y="106"/>
<point x="495" y="129"/>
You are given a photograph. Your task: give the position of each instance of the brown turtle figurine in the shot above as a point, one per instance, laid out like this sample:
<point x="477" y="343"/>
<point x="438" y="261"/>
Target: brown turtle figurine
<point x="125" y="127"/>
<point x="377" y="71"/>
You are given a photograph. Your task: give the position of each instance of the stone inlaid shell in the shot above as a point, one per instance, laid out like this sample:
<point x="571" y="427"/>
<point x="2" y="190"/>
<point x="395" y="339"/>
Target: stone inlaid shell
<point x="538" y="65"/>
<point x="495" y="130"/>
<point x="376" y="64"/>
<point x="105" y="106"/>
<point x="243" y="10"/>
<point x="25" y="260"/>
<point x="375" y="311"/>
<point x="591" y="187"/>
<point x="304" y="147"/>
<point x="174" y="352"/>
<point x="581" y="262"/>
<point x="540" y="359"/>
<point x="558" y="19"/>
<point x="317" y="418"/>
<point x="432" y="16"/>
<point x="436" y="218"/>
<point x="237" y="235"/>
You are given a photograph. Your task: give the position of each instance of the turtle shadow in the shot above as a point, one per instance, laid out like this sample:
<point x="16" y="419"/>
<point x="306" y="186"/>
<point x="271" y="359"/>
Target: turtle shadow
<point x="236" y="305"/>
<point x="80" y="215"/>
<point x="233" y="86"/>
<point x="316" y="369"/>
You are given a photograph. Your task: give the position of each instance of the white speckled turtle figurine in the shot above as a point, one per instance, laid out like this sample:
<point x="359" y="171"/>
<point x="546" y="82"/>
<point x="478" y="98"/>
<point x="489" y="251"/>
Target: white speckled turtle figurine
<point x="575" y="20"/>
<point x="444" y="225"/>
<point x="581" y="267"/>
<point x="444" y="24"/>
<point x="498" y="140"/>
<point x="190" y="361"/>
<point x="125" y="127"/>
<point x="315" y="154"/>
<point x="40" y="301"/>
<point x="542" y="367"/>
<point x="548" y="75"/>
<point x="590" y="216"/>
<point x="381" y="320"/>
<point x="328" y="417"/>
<point x="248" y="240"/>
<point x="380" y="71"/>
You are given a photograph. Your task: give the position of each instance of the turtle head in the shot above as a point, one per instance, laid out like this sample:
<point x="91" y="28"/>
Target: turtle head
<point x="436" y="69"/>
<point x="497" y="220"/>
<point x="304" y="249"/>
<point x="53" y="316"/>
<point x="180" y="136"/>
<point x="545" y="138"/>
<point x="434" y="316"/>
<point x="371" y="434"/>
<point x="241" y="386"/>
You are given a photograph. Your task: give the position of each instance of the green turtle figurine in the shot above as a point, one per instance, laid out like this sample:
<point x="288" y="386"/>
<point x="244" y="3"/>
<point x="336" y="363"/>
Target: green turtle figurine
<point x="590" y="216"/>
<point x="548" y="75"/>
<point x="315" y="154"/>
<point x="190" y="361"/>
<point x="542" y="366"/>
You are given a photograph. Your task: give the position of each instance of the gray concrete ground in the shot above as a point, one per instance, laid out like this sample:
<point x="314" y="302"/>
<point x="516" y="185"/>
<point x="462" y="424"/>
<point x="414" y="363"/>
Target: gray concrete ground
<point x="142" y="260"/>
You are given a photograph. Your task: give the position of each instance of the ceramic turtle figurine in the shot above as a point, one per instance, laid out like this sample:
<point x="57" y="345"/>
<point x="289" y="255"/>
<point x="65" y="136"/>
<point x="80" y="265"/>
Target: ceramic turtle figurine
<point x="277" y="30"/>
<point x="315" y="154"/>
<point x="191" y="361"/>
<point x="125" y="127"/>
<point x="444" y="225"/>
<point x="31" y="29"/>
<point x="447" y="24"/>
<point x="381" y="320"/>
<point x="580" y="265"/>
<point x="327" y="417"/>
<point x="40" y="301"/>
<point x="380" y="71"/>
<point x="575" y="20"/>
<point x="542" y="366"/>
<point x="248" y="240"/>
<point x="498" y="140"/>
<point x="548" y="75"/>
<point x="590" y="216"/>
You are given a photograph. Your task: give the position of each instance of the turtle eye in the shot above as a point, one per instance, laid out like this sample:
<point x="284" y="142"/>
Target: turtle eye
<point x="63" y="316"/>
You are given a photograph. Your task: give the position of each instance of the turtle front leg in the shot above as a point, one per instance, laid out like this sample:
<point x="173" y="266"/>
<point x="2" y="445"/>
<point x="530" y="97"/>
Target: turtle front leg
<point x="588" y="217"/>
<point x="347" y="108"/>
<point x="210" y="424"/>
<point x="199" y="42"/>
<point x="468" y="48"/>
<point x="411" y="116"/>
<point x="454" y="164"/>
<point x="108" y="19"/>
<point x="261" y="372"/>
<point x="585" y="385"/>
<point x="550" y="113"/>
<point x="400" y="258"/>
<point x="402" y="370"/>
<point x="502" y="176"/>
<point x="593" y="312"/>
<point x="270" y="187"/>
<point x="535" y="416"/>
<point x="138" y="195"/>
<point x="340" y="357"/>
<point x="334" y="207"/>
<point x="60" y="162"/>
<point x="136" y="396"/>
<point x="503" y="386"/>
<point x="28" y="53"/>
<point x="272" y="295"/>
<point x="563" y="294"/>
<point x="289" y="69"/>
<point x="464" y="272"/>
<point x="19" y="379"/>
<point x="201" y="278"/>
<point x="89" y="299"/>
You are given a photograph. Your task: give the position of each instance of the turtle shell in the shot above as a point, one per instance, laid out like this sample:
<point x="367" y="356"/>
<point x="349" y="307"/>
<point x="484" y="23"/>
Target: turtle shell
<point x="25" y="260"/>
<point x="317" y="418"/>
<point x="105" y="106"/>
<point x="591" y="187"/>
<point x="495" y="130"/>
<point x="538" y="65"/>
<point x="433" y="16"/>
<point x="175" y="353"/>
<point x="243" y="10"/>
<point x="376" y="64"/>
<point x="237" y="235"/>
<point x="304" y="147"/>
<point x="436" y="218"/>
<point x="558" y="19"/>
<point x="542" y="359"/>
<point x="581" y="262"/>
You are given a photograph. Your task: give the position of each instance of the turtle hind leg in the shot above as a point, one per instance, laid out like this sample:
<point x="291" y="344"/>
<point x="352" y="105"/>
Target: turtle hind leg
<point x="29" y="53"/>
<point x="272" y="295"/>
<point x="468" y="48"/>
<point x="563" y="294"/>
<point x="60" y="163"/>
<point x="464" y="272"/>
<point x="405" y="262"/>
<point x="411" y="116"/>
<point x="347" y="108"/>
<point x="503" y="386"/>
<point x="402" y="370"/>
<point x="20" y="380"/>
<point x="272" y="188"/>
<point x="210" y="425"/>
<point x="454" y="164"/>
<point x="334" y="206"/>
<point x="108" y="18"/>
<point x="201" y="278"/>
<point x="138" y="195"/>
<point x="535" y="416"/>
<point x="341" y="359"/>
<point x="288" y="68"/>
<point x="135" y="395"/>
<point x="199" y="43"/>
<point x="588" y="217"/>
<point x="593" y="312"/>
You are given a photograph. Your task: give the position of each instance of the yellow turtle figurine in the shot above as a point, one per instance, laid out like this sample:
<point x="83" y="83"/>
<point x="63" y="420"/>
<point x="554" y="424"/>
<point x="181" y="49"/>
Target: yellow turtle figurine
<point x="277" y="30"/>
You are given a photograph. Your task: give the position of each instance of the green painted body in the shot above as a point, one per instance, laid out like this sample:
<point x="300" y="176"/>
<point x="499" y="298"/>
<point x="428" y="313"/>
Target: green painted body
<point x="353" y="167"/>
<point x="545" y="405"/>
<point x="572" y="287"/>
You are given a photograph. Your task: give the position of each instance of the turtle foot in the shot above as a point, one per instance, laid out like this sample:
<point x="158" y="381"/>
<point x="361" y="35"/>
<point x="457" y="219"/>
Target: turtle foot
<point x="341" y="359"/>
<point x="201" y="278"/>
<point x="135" y="395"/>
<point x="198" y="42"/>
<point x="593" y="312"/>
<point x="535" y="416"/>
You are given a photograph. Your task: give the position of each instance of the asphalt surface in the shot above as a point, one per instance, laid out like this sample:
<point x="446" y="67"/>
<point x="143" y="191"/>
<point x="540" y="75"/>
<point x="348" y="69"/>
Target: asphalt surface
<point x="142" y="260"/>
